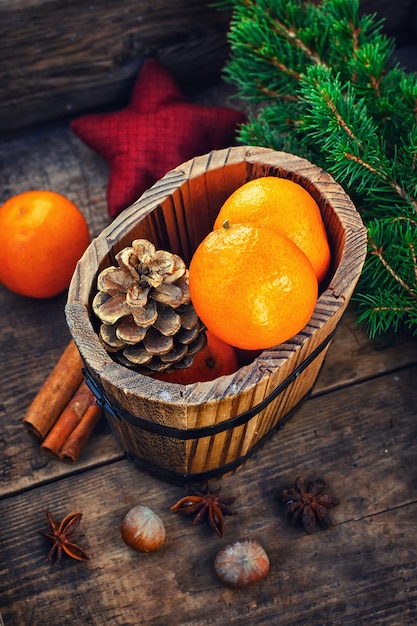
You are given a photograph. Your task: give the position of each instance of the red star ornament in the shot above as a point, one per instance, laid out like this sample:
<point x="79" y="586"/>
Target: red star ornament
<point x="157" y="131"/>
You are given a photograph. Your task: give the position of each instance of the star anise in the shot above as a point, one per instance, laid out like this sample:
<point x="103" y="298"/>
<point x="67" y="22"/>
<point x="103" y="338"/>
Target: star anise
<point x="207" y="506"/>
<point x="63" y="536"/>
<point x="308" y="502"/>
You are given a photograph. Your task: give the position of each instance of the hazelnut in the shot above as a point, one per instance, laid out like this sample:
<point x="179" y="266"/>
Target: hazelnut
<point x="142" y="529"/>
<point x="241" y="563"/>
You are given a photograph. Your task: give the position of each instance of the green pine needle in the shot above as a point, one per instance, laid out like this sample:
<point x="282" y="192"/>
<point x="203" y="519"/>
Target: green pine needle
<point x="325" y="84"/>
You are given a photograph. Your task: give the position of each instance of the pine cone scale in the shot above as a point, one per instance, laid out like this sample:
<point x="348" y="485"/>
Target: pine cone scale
<point x="112" y="280"/>
<point x="112" y="309"/>
<point x="168" y="322"/>
<point x="137" y="294"/>
<point x="147" y="321"/>
<point x="129" y="332"/>
<point x="155" y="343"/>
<point x="145" y="315"/>
<point x="170" y="294"/>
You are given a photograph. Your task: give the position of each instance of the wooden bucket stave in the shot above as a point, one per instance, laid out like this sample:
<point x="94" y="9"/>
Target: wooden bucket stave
<point x="189" y="433"/>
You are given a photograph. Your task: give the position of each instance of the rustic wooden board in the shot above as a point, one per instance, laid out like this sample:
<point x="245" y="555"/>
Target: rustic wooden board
<point x="60" y="58"/>
<point x="40" y="334"/>
<point x="360" y="440"/>
<point x="352" y="357"/>
<point x="358" y="431"/>
<point x="63" y="58"/>
<point x="54" y="158"/>
<point x="34" y="333"/>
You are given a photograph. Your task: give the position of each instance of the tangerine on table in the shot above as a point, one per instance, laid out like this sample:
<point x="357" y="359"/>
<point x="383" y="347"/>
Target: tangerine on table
<point x="252" y="286"/>
<point x="42" y="236"/>
<point x="281" y="203"/>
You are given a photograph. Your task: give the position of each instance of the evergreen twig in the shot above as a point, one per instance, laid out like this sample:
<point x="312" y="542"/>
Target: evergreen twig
<point x="325" y="85"/>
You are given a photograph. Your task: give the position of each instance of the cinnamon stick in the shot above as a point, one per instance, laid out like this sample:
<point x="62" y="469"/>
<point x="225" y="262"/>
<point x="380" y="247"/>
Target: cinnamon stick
<point x="72" y="448"/>
<point x="55" y="393"/>
<point x="68" y="420"/>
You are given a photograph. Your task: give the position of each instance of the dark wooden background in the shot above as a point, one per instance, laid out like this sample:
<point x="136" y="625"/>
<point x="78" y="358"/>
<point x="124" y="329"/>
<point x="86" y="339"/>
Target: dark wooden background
<point x="358" y="430"/>
<point x="60" y="58"/>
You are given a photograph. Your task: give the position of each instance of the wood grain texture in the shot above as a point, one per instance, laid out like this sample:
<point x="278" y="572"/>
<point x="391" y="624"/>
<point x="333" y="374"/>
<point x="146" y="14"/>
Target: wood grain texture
<point x="176" y="214"/>
<point x="59" y="59"/>
<point x="62" y="58"/>
<point x="368" y="460"/>
<point x="357" y="431"/>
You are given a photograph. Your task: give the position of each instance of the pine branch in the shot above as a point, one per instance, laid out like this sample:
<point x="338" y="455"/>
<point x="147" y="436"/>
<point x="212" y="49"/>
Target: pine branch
<point x="326" y="86"/>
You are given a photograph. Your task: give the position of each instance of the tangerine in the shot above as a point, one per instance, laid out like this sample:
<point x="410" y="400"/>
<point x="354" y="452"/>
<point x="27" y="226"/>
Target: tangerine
<point x="252" y="286"/>
<point x="216" y="359"/>
<point x="283" y="204"/>
<point x="42" y="236"/>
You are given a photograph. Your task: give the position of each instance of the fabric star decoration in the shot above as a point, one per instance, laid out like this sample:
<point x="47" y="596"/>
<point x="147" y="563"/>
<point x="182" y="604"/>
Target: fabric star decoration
<point x="158" y="130"/>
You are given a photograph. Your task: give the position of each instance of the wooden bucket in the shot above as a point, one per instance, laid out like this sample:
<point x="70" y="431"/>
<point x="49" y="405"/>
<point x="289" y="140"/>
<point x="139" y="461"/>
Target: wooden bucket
<point x="195" y="432"/>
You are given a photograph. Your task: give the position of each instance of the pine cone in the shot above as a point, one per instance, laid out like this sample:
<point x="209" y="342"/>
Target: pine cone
<point x="148" y="322"/>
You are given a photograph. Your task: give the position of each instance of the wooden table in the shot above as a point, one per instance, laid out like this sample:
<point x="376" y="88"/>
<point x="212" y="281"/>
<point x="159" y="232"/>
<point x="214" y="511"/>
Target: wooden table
<point x="358" y="431"/>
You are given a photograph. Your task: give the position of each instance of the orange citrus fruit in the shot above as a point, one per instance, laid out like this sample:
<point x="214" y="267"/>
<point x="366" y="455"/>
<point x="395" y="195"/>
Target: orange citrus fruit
<point x="42" y="236"/>
<point x="283" y="204"/>
<point x="216" y="359"/>
<point x="252" y="286"/>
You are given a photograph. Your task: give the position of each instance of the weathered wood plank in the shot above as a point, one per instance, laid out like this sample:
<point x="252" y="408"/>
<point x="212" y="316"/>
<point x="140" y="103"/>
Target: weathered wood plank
<point x="62" y="58"/>
<point x="34" y="333"/>
<point x="362" y="442"/>
<point x="59" y="58"/>
<point x="54" y="158"/>
<point x="40" y="334"/>
<point x="357" y="433"/>
<point x="353" y="357"/>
